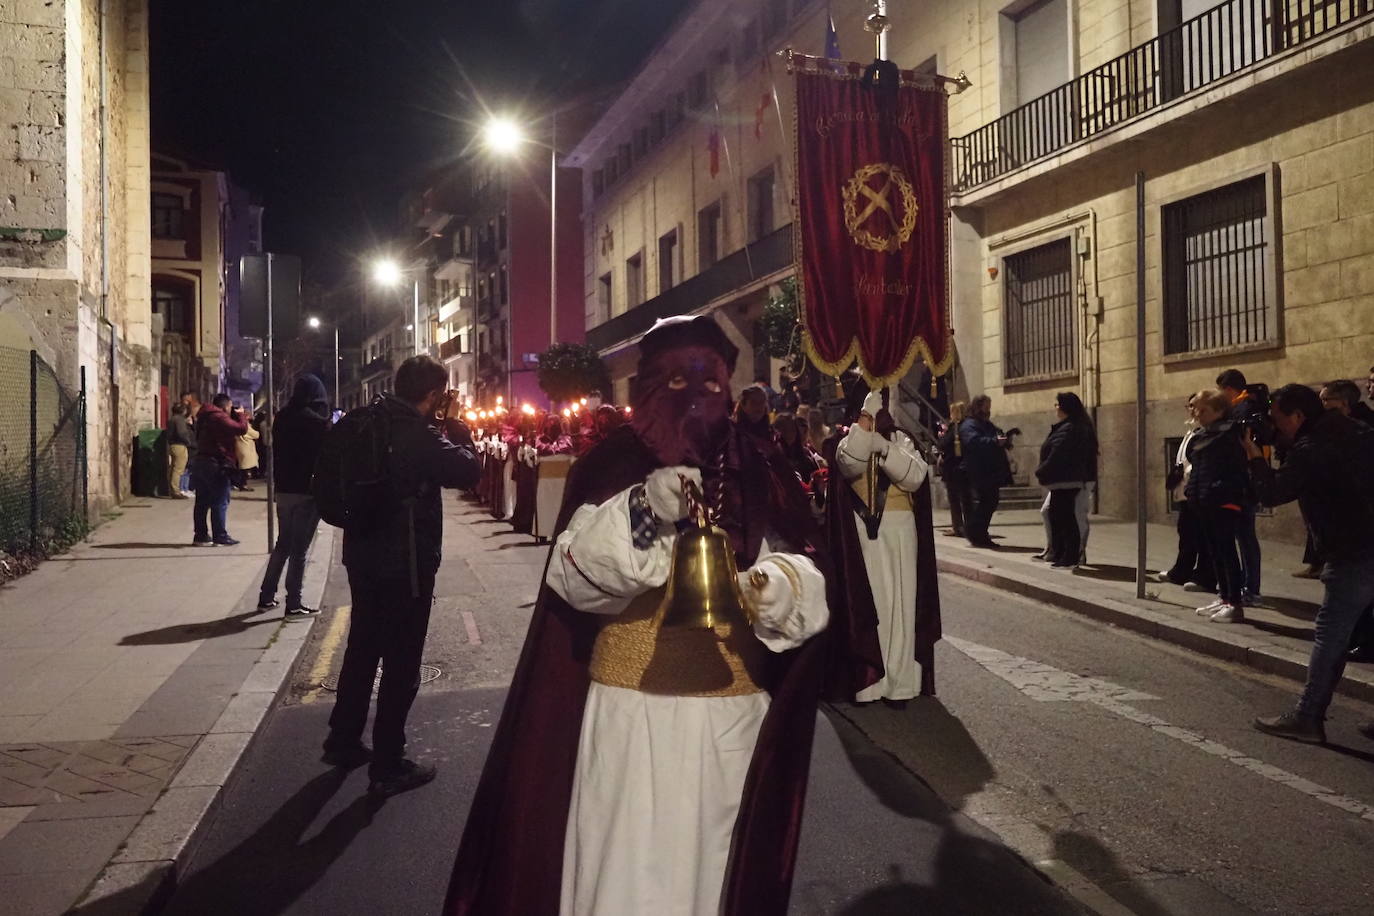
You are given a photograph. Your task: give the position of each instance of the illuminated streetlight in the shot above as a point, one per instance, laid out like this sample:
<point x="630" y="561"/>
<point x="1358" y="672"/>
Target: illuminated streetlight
<point x="314" y="322"/>
<point x="387" y="272"/>
<point x="503" y="136"/>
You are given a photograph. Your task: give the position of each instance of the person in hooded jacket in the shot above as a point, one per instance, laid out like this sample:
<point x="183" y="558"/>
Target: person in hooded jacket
<point x="1219" y="486"/>
<point x="297" y="434"/>
<point x="1068" y="460"/>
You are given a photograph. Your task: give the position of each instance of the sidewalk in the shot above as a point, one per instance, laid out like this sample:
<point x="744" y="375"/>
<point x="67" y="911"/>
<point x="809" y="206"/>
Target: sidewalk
<point x="134" y="671"/>
<point x="1276" y="638"/>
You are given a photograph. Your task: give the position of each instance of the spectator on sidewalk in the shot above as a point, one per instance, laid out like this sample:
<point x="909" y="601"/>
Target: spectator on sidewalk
<point x="1218" y="486"/>
<point x="951" y="468"/>
<point x="1326" y="469"/>
<point x="391" y="567"/>
<point x="1344" y="396"/>
<point x="769" y="392"/>
<point x="245" y="455"/>
<point x="217" y="433"/>
<point x="985" y="459"/>
<point x="1193" y="567"/>
<point x="751" y="414"/>
<point x="1068" y="460"/>
<point x="1249" y="409"/>
<point x="181" y="448"/>
<point x="192" y="401"/>
<point x="297" y="434"/>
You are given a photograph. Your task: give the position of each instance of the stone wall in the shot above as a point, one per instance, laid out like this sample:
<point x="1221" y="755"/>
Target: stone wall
<point x="73" y="252"/>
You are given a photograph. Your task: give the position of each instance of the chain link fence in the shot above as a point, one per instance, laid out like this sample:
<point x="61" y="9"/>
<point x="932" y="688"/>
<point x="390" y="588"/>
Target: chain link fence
<point x="43" y="485"/>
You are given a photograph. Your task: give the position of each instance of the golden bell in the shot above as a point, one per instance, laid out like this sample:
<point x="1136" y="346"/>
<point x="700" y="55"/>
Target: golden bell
<point x="703" y="582"/>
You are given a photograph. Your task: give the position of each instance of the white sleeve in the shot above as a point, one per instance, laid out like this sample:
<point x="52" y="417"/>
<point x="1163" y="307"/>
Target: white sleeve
<point x="853" y="451"/>
<point x="903" y="464"/>
<point x="595" y="566"/>
<point x="791" y="607"/>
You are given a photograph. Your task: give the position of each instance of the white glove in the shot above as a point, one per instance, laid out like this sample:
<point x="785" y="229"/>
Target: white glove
<point x="664" y="490"/>
<point x="861" y="443"/>
<point x="768" y="591"/>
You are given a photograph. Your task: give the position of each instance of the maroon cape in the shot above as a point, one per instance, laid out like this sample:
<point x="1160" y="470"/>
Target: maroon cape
<point x="526" y="481"/>
<point x="511" y="856"/>
<point x="852" y="576"/>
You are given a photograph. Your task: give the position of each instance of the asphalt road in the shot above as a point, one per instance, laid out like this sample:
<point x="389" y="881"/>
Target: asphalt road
<point x="1123" y="767"/>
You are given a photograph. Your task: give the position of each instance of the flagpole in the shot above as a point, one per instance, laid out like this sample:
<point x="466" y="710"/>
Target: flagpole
<point x="878" y="24"/>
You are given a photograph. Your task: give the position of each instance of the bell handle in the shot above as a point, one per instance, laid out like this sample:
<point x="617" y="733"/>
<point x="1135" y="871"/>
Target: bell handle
<point x="696" y="502"/>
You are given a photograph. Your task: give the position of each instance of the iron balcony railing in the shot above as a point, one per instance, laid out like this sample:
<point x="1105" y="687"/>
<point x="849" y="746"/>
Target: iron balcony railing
<point x="1222" y="41"/>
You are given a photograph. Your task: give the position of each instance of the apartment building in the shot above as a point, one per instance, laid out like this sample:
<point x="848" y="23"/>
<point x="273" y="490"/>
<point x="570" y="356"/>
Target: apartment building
<point x="1252" y="121"/>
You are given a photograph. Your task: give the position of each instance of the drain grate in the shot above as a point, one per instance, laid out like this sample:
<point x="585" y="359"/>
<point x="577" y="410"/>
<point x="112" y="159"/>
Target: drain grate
<point x="427" y="673"/>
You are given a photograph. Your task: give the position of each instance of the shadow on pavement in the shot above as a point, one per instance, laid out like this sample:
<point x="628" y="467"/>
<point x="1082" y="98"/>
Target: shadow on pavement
<point x="933" y="859"/>
<point x="1086" y="855"/>
<point x="523" y="544"/>
<point x="1106" y="572"/>
<point x="194" y="632"/>
<point x="1292" y="607"/>
<point x="269" y="871"/>
<point x="1278" y="629"/>
<point x="141" y="545"/>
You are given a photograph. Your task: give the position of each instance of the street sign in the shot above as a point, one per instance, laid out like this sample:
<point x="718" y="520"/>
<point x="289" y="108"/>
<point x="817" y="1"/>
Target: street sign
<point x="286" y="296"/>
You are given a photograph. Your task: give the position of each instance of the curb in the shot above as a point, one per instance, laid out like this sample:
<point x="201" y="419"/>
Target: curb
<point x="144" y="872"/>
<point x="1228" y="643"/>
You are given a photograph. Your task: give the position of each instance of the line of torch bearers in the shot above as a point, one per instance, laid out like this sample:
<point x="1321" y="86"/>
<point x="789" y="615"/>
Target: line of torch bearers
<point x="526" y="455"/>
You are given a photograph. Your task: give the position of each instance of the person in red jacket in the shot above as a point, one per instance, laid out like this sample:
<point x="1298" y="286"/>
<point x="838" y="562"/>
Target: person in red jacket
<point x="217" y="432"/>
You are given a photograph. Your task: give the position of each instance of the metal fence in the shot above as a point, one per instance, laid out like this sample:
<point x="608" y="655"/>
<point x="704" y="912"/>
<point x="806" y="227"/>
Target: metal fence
<point x="43" y="484"/>
<point x="1207" y="48"/>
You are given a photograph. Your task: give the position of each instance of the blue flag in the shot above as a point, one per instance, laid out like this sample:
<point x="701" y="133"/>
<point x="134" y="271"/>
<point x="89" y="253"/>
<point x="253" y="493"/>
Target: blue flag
<point x="832" y="40"/>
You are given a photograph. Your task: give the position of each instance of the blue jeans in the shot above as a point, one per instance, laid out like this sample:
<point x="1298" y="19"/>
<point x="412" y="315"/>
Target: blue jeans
<point x="297" y="517"/>
<point x="1248" y="542"/>
<point x="212" y="499"/>
<point x="1349" y="589"/>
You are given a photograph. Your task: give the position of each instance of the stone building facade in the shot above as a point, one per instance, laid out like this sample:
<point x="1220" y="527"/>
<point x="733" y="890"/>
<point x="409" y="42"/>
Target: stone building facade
<point x="1252" y="121"/>
<point x="74" y="221"/>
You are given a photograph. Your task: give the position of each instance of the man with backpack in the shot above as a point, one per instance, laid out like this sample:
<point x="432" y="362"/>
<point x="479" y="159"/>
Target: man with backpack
<point x="378" y="478"/>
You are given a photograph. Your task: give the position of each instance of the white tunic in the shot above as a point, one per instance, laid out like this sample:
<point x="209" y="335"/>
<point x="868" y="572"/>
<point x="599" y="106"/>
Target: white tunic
<point x="891" y="559"/>
<point x="659" y="778"/>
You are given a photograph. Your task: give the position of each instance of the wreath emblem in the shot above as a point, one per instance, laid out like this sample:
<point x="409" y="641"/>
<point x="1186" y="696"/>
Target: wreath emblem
<point x="862" y="201"/>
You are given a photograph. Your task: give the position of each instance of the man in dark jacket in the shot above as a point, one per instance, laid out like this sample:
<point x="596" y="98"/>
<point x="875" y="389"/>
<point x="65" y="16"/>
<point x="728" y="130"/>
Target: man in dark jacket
<point x="985" y="462"/>
<point x="1326" y="469"/>
<point x="391" y="569"/>
<point x="217" y="432"/>
<point x="297" y="434"/>
<point x="1248" y="411"/>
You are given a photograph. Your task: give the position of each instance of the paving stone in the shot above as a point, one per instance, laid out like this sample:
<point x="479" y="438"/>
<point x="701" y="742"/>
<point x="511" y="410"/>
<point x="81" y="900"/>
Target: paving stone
<point x="43" y="755"/>
<point x="127" y="888"/>
<point x="24" y="773"/>
<point x="12" y="817"/>
<point x="43" y="894"/>
<point x="14" y="794"/>
<point x="52" y="846"/>
<point x="213" y="760"/>
<point x="116" y="804"/>
<point x="165" y="831"/>
<point x="78" y="786"/>
<point x="244" y="713"/>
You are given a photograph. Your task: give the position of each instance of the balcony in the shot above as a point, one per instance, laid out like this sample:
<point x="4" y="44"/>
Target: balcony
<point x="451" y="349"/>
<point x="768" y="255"/>
<point x="379" y="366"/>
<point x="1180" y="62"/>
<point x="453" y="307"/>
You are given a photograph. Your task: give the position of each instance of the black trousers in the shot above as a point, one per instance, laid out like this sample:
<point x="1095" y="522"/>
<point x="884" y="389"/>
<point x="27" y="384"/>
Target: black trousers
<point x="1194" y="560"/>
<point x="1220" y="527"/>
<point x="956" y="488"/>
<point x="979" y="515"/>
<point x="1066" y="541"/>
<point x="387" y="626"/>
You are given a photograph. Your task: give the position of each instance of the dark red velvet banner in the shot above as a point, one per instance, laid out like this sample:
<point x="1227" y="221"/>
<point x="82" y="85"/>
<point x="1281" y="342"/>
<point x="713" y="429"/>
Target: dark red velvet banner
<point x="872" y="232"/>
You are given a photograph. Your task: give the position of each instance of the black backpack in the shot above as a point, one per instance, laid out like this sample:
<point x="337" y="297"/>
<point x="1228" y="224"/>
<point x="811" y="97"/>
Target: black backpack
<point x="352" y="484"/>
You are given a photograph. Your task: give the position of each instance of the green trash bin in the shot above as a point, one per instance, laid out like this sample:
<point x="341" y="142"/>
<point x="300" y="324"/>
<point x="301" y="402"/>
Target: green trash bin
<point x="150" y="463"/>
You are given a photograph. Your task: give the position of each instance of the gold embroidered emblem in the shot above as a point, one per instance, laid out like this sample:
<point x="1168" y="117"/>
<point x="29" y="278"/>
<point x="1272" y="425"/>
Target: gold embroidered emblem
<point x="863" y="201"/>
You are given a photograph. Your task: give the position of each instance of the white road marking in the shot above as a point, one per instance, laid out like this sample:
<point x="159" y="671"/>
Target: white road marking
<point x="470" y="623"/>
<point x="1051" y="685"/>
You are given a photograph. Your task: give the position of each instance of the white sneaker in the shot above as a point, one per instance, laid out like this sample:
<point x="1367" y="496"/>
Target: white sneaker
<point x="1157" y="577"/>
<point x="1228" y="613"/>
<point x="1212" y="608"/>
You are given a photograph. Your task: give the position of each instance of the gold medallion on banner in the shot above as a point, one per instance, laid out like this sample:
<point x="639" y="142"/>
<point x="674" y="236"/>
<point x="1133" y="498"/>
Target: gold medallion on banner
<point x="865" y="202"/>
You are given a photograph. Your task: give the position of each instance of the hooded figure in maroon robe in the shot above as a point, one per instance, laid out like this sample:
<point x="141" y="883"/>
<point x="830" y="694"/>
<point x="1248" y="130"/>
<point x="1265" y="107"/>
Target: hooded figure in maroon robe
<point x="511" y="857"/>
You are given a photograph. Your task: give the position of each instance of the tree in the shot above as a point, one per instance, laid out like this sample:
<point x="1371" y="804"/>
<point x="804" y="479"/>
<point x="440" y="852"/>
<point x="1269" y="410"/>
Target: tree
<point x="782" y="327"/>
<point x="569" y="371"/>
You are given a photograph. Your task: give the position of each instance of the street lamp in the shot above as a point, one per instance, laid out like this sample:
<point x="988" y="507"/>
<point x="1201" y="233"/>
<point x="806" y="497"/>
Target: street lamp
<point x="387" y="272"/>
<point x="504" y="137"/>
<point x="314" y="323"/>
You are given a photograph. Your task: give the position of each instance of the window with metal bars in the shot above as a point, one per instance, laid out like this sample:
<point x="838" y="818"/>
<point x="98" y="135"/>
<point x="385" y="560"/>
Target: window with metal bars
<point x="1041" y="340"/>
<point x="1218" y="288"/>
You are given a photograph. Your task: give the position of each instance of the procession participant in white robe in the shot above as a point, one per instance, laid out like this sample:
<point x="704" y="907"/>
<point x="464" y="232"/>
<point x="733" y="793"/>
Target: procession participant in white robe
<point x="643" y="769"/>
<point x="887" y="538"/>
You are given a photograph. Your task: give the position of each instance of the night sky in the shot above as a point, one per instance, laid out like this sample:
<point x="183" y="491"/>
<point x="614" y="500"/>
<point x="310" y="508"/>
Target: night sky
<point x="329" y="110"/>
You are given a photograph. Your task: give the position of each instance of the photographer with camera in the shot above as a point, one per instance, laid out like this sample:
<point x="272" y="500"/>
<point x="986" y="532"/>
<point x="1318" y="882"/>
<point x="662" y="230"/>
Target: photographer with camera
<point x="1249" y="410"/>
<point x="1326" y="469"/>
<point x="392" y="515"/>
<point x="988" y="468"/>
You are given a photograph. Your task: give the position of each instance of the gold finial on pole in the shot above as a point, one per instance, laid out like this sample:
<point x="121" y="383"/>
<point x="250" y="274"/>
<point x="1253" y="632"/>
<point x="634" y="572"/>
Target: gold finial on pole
<point x="878" y="23"/>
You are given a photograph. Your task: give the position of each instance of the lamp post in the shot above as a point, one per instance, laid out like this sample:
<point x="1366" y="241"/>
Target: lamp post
<point x="504" y="137"/>
<point x="387" y="272"/>
<point x="315" y="325"/>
